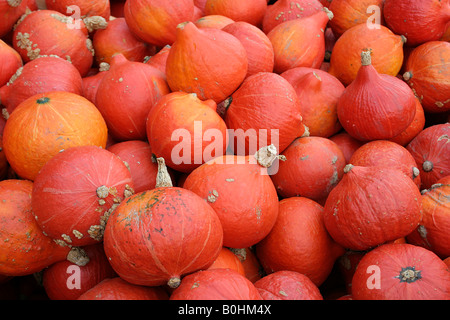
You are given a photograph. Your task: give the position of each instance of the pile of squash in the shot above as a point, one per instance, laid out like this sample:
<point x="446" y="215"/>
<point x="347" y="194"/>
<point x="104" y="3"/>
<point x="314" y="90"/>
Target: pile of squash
<point x="225" y="149"/>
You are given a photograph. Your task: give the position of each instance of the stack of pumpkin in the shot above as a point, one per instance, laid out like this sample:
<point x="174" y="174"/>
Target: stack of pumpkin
<point x="226" y="149"/>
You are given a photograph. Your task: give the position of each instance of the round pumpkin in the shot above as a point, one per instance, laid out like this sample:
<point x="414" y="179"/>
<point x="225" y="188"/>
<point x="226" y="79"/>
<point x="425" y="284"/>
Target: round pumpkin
<point x="228" y="260"/>
<point x="299" y="241"/>
<point x="401" y="272"/>
<point x="285" y="10"/>
<point x="300" y="42"/>
<point x="241" y="193"/>
<point x="46" y="123"/>
<point x="349" y="13"/>
<point x="11" y="11"/>
<point x="64" y="280"/>
<point x="186" y="131"/>
<point x="195" y="63"/>
<point x="313" y="167"/>
<point x="259" y="49"/>
<point x="418" y="21"/>
<point x="264" y="110"/>
<point x="118" y="289"/>
<point x="319" y="92"/>
<point x="25" y="248"/>
<point x="135" y="85"/>
<point x="42" y="75"/>
<point x="216" y="284"/>
<point x="431" y="150"/>
<point x="346" y="143"/>
<point x="375" y="105"/>
<point x="160" y="30"/>
<point x="47" y="32"/>
<point x="427" y="74"/>
<point x="158" y="236"/>
<point x="213" y="21"/>
<point x="117" y="38"/>
<point x="10" y="62"/>
<point x="432" y="230"/>
<point x="251" y="11"/>
<point x="386" y="47"/>
<point x="92" y="180"/>
<point x="287" y="285"/>
<point x="361" y="211"/>
<point x="388" y="154"/>
<point x="138" y="157"/>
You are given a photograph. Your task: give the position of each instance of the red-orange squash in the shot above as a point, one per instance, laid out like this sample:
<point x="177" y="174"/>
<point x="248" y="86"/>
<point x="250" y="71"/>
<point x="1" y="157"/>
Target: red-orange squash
<point x="119" y="289"/>
<point x="319" y="92"/>
<point x="11" y="11"/>
<point x="346" y="143"/>
<point x="195" y="63"/>
<point x="313" y="167"/>
<point x="252" y="267"/>
<point x="117" y="38"/>
<point x="431" y="150"/>
<point x="160" y="30"/>
<point x="158" y="236"/>
<point x="213" y="21"/>
<point x="228" y="260"/>
<point x="259" y="49"/>
<point x="159" y="59"/>
<point x="10" y="62"/>
<point x="401" y="272"/>
<point x="216" y="284"/>
<point x="349" y="13"/>
<point x="47" y="32"/>
<point x="84" y="8"/>
<point x="361" y="211"/>
<point x="432" y="230"/>
<point x="75" y="192"/>
<point x="44" y="124"/>
<point x="91" y="82"/>
<point x="375" y="105"/>
<point x="42" y="75"/>
<point x="264" y="110"/>
<point x="299" y="241"/>
<point x="427" y="74"/>
<point x="138" y="157"/>
<point x="285" y="10"/>
<point x="251" y="11"/>
<point x="300" y="42"/>
<point x="287" y="285"/>
<point x="389" y="154"/>
<point x="64" y="280"/>
<point x="242" y="194"/>
<point x="125" y="96"/>
<point x="386" y="47"/>
<point x="415" y="127"/>
<point x="186" y="131"/>
<point x="25" y="248"/>
<point x="418" y="21"/>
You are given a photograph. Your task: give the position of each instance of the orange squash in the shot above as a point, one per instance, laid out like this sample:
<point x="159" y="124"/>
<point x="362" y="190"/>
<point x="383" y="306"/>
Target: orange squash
<point x="300" y="42"/>
<point x="195" y="63"/>
<point x="386" y="48"/>
<point x="46" y="123"/>
<point x="251" y="11"/>
<point x="25" y="248"/>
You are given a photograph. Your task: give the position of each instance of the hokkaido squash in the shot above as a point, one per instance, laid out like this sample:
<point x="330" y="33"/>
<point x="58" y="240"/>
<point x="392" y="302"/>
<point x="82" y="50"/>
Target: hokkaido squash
<point x="93" y="181"/>
<point x="64" y="280"/>
<point x="242" y="194"/>
<point x="287" y="285"/>
<point x="118" y="289"/>
<point x="10" y="62"/>
<point x="195" y="63"/>
<point x="216" y="284"/>
<point x="431" y="232"/>
<point x="46" y="123"/>
<point x="158" y="236"/>
<point x="299" y="241"/>
<point x="251" y="11"/>
<point x="313" y="167"/>
<point x="430" y="149"/>
<point x="25" y="248"/>
<point x="360" y="212"/>
<point x="401" y="272"/>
